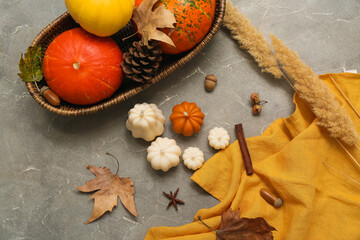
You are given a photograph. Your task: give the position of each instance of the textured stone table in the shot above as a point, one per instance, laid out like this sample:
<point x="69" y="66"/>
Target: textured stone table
<point x="42" y="155"/>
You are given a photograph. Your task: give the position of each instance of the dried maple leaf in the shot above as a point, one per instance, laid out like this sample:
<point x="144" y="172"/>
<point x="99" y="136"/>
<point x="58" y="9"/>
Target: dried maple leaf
<point x="110" y="187"/>
<point x="234" y="227"/>
<point x="148" y="21"/>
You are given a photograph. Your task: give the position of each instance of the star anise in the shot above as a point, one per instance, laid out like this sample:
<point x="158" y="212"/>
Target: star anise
<point x="173" y="199"/>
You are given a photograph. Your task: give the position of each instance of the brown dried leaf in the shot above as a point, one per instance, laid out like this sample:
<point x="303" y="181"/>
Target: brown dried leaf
<point x="148" y="21"/>
<point x="110" y="187"/>
<point x="233" y="227"/>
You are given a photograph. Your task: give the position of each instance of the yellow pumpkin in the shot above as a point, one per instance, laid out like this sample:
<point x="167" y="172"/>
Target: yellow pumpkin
<point x="101" y="17"/>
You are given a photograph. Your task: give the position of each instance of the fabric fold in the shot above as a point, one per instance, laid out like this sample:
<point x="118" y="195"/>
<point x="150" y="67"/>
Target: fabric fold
<point x="298" y="161"/>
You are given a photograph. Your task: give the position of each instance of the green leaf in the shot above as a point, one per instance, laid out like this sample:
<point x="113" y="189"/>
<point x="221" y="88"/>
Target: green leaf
<point x="30" y="65"/>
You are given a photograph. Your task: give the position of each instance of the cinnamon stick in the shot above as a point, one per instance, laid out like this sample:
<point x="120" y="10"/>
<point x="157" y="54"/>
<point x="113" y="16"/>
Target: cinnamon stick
<point x="244" y="149"/>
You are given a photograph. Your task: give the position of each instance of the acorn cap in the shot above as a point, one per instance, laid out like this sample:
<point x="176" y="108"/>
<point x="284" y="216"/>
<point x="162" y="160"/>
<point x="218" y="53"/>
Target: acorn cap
<point x="278" y="203"/>
<point x="43" y="89"/>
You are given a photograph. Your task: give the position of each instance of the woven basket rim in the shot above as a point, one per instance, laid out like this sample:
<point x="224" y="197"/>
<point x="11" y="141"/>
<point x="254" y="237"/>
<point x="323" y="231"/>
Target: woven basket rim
<point x="220" y="11"/>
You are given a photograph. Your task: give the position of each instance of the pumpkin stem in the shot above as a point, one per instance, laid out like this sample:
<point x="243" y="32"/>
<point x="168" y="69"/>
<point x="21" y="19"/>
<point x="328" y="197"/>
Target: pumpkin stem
<point x="117" y="161"/>
<point x="76" y="65"/>
<point x="186" y="114"/>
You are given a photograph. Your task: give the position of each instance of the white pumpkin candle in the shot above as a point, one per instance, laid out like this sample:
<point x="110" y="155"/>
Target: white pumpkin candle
<point x="145" y="121"/>
<point x="163" y="154"/>
<point x="218" y="138"/>
<point x="193" y="158"/>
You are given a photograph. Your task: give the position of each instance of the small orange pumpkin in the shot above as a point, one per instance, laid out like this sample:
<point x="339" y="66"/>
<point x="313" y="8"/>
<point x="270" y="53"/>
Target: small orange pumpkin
<point x="187" y="118"/>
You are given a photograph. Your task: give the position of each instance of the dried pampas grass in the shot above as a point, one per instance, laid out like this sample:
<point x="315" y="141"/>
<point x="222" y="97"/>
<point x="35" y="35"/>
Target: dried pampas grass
<point x="316" y="94"/>
<point x="250" y="39"/>
<point x="311" y="89"/>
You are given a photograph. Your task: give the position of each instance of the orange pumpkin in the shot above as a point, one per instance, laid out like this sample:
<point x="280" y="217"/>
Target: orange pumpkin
<point x="187" y="118"/>
<point x="82" y="68"/>
<point x="193" y="21"/>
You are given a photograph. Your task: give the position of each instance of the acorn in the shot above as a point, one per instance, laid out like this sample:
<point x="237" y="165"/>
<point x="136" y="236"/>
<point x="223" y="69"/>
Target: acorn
<point x="210" y="82"/>
<point x="256" y="109"/>
<point x="257" y="103"/>
<point x="255" y="98"/>
<point x="50" y="96"/>
<point x="271" y="198"/>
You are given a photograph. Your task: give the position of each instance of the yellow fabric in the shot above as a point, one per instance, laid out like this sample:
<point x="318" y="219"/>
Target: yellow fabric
<point x="298" y="160"/>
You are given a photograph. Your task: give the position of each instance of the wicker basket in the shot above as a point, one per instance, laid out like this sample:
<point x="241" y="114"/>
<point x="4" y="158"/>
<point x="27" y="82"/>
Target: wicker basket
<point x="128" y="88"/>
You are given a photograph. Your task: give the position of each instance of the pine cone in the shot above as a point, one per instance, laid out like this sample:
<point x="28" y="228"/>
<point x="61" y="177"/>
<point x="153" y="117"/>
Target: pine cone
<point x="142" y="62"/>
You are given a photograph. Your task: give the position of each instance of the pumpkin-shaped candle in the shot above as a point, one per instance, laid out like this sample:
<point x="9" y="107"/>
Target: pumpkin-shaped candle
<point x="163" y="154"/>
<point x="145" y="121"/>
<point x="193" y="158"/>
<point x="187" y="118"/>
<point x="218" y="138"/>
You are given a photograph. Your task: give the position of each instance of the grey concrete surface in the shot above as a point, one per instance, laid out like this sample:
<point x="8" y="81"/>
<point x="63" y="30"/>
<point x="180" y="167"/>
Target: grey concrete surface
<point x="42" y="155"/>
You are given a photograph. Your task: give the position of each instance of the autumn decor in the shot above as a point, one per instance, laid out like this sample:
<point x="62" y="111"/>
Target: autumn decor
<point x="109" y="187"/>
<point x="271" y="198"/>
<point x="255" y="98"/>
<point x="285" y="63"/>
<point x="141" y="62"/>
<point x="210" y="82"/>
<point x="50" y="96"/>
<point x="193" y="21"/>
<point x="149" y="19"/>
<point x="65" y="22"/>
<point x="332" y="116"/>
<point x="218" y="138"/>
<point x="163" y="154"/>
<point x="173" y="200"/>
<point x="145" y="121"/>
<point x="30" y="66"/>
<point x="82" y="68"/>
<point x="244" y="149"/>
<point x="193" y="158"/>
<point x="102" y="18"/>
<point x="187" y="118"/>
<point x="234" y="227"/>
<point x="257" y="103"/>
